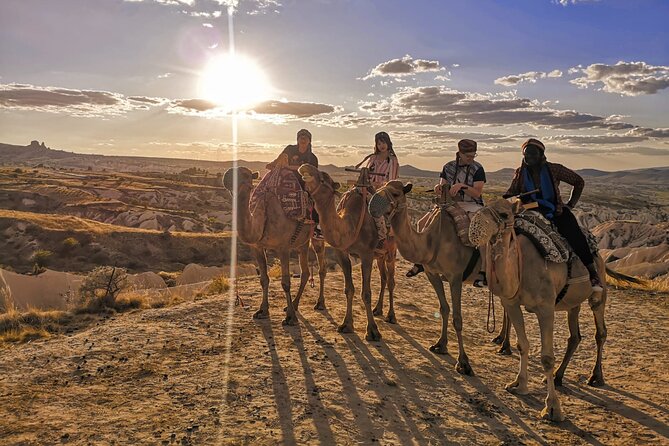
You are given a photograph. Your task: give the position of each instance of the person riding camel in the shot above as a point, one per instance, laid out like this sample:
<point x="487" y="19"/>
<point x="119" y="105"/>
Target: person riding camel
<point x="383" y="162"/>
<point x="465" y="179"/>
<point x="292" y="157"/>
<point x="535" y="172"/>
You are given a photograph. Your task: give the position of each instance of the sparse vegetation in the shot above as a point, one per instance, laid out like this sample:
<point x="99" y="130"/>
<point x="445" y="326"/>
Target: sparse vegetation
<point x="41" y="258"/>
<point x="33" y="324"/>
<point x="219" y="285"/>
<point x="101" y="288"/>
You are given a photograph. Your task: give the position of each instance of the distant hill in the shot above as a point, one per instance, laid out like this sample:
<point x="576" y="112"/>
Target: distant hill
<point x="38" y="153"/>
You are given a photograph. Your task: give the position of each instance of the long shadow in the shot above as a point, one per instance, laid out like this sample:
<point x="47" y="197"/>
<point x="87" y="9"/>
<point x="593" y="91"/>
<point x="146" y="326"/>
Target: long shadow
<point x="279" y="386"/>
<point x="365" y="424"/>
<point x="592" y="396"/>
<point x="325" y="435"/>
<point x="366" y="361"/>
<point x="637" y="398"/>
<point x="481" y="388"/>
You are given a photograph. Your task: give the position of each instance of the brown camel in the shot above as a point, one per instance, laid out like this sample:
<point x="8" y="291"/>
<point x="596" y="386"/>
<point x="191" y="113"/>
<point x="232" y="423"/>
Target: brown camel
<point x="352" y="231"/>
<point x="269" y="228"/>
<point x="441" y="252"/>
<point x="519" y="275"/>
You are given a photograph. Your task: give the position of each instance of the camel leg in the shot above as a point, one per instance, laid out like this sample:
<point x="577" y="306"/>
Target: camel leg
<point x="598" y="304"/>
<point x="291" y="318"/>
<point x="504" y="336"/>
<point x="380" y="262"/>
<point x="345" y="263"/>
<point x="441" y="347"/>
<point x="319" y="248"/>
<point x="390" y="270"/>
<point x="462" y="366"/>
<point x="261" y="258"/>
<point x="303" y="256"/>
<point x="552" y="410"/>
<point x="572" y="343"/>
<point x="373" y="333"/>
<point x="519" y="386"/>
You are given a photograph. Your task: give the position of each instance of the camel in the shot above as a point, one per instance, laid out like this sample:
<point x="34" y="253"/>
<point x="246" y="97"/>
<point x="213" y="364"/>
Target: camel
<point x="352" y="231"/>
<point x="519" y="275"/>
<point x="269" y="228"/>
<point x="441" y="252"/>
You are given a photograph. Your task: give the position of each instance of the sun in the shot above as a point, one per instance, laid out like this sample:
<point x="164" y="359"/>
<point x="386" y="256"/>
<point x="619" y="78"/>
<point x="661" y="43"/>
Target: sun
<point x="234" y="82"/>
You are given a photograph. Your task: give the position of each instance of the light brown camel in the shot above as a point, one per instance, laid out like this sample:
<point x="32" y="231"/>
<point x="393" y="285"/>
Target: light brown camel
<point x="441" y="252"/>
<point x="519" y="275"/>
<point x="269" y="229"/>
<point x="352" y="231"/>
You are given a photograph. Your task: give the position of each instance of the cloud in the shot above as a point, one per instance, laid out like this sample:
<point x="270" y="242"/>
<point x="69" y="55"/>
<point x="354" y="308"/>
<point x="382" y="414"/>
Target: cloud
<point x="405" y="66"/>
<point x="572" y="2"/>
<point x="285" y="108"/>
<point x="530" y="76"/>
<point x="625" y="78"/>
<point x="212" y="7"/>
<point x="85" y="103"/>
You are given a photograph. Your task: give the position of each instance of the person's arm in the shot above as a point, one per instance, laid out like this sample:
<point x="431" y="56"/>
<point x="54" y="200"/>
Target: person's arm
<point x="479" y="180"/>
<point x="514" y="188"/>
<point x="572" y="178"/>
<point x="394" y="171"/>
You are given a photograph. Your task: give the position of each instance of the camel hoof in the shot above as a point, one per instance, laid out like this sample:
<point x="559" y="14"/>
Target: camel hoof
<point x="373" y="334"/>
<point x="464" y="368"/>
<point x="504" y="350"/>
<point x="391" y="319"/>
<point x="289" y="321"/>
<point x="261" y="314"/>
<point x="517" y="389"/>
<point x="439" y="349"/>
<point x="345" y="328"/>
<point x="378" y="311"/>
<point x="596" y="381"/>
<point x="497" y="340"/>
<point x="319" y="306"/>
<point x="553" y="414"/>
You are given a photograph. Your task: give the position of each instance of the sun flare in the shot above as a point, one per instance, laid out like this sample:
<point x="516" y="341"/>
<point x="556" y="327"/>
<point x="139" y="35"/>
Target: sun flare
<point x="234" y="82"/>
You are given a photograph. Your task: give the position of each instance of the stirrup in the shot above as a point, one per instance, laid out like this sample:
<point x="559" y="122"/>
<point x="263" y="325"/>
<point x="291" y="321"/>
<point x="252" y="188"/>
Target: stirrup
<point x="481" y="282"/>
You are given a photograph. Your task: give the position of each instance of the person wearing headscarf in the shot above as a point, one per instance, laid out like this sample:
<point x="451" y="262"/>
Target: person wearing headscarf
<point x="464" y="179"/>
<point x="384" y="164"/>
<point x="536" y="173"/>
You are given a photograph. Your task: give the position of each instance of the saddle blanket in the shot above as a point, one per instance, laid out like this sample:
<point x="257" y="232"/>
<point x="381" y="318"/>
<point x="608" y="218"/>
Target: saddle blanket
<point x="283" y="183"/>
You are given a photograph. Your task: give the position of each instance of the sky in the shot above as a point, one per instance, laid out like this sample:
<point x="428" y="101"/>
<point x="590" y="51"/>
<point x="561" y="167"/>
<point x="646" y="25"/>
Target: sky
<point x="157" y="78"/>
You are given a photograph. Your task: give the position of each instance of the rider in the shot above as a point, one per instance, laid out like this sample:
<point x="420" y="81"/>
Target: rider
<point x="383" y="161"/>
<point x="465" y="179"/>
<point x="537" y="173"/>
<point x="292" y="157"/>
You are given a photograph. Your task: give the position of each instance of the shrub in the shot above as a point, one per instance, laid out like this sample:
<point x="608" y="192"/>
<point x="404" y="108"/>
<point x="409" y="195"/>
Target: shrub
<point x="101" y="287"/>
<point x="219" y="285"/>
<point x="41" y="258"/>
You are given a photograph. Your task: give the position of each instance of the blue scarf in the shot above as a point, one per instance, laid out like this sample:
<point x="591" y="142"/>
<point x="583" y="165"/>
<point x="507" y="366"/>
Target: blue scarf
<point x="547" y="194"/>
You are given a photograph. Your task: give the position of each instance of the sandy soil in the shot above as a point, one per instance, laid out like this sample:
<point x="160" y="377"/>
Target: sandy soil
<point x="159" y="377"/>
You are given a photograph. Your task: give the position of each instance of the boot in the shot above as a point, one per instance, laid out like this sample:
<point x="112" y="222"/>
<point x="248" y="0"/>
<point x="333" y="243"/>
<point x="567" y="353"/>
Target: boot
<point x="594" y="278"/>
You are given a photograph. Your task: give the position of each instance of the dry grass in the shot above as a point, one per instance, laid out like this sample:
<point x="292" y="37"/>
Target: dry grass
<point x="18" y="326"/>
<point x="219" y="285"/>
<point x="654" y="285"/>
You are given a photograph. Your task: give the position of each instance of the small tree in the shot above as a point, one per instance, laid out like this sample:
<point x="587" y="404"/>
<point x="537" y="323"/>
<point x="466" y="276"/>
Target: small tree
<point x="41" y="259"/>
<point x="102" y="285"/>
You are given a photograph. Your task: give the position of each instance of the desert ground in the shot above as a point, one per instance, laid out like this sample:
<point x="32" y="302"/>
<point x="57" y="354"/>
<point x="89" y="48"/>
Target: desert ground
<point x="205" y="372"/>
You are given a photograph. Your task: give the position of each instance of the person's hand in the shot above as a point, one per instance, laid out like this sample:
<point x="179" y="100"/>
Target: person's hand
<point x="456" y="188"/>
<point x="437" y="190"/>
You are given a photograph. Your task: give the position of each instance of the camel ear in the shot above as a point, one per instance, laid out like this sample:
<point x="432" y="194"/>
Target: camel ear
<point x="255" y="175"/>
<point x="406" y="189"/>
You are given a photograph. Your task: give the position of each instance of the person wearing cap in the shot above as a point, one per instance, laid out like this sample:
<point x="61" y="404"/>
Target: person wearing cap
<point x="292" y="157"/>
<point x="384" y="163"/>
<point x="464" y="179"/>
<point x="535" y="172"/>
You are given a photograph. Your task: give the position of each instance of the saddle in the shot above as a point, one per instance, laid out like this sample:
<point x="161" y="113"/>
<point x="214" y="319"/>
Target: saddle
<point x="546" y="238"/>
<point x="283" y="183"/>
<point x="460" y="217"/>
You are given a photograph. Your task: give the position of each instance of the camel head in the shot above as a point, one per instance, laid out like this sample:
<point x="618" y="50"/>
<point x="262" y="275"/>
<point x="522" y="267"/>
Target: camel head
<point x="389" y="198"/>
<point x="314" y="178"/>
<point x="489" y="223"/>
<point x="244" y="177"/>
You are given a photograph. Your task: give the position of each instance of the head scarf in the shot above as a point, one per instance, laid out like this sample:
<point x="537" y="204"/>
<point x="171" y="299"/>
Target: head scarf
<point x="533" y="142"/>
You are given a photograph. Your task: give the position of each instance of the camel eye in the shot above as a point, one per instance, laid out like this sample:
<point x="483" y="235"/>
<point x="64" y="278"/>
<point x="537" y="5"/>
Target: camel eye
<point x="504" y="215"/>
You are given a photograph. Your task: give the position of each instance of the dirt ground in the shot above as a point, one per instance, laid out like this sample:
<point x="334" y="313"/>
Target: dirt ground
<point x="159" y="377"/>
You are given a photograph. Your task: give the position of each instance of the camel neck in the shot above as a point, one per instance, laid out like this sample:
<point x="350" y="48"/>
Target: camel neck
<point x="248" y="227"/>
<point x="503" y="266"/>
<point x="410" y="242"/>
<point x="334" y="227"/>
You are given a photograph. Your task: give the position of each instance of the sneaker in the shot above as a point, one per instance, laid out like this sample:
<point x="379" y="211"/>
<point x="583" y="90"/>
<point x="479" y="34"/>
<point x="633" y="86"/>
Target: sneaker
<point x="481" y="281"/>
<point x="415" y="270"/>
<point x="596" y="284"/>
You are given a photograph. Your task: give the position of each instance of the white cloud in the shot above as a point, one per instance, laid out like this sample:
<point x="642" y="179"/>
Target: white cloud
<point x="530" y="76"/>
<point x="573" y="2"/>
<point x="406" y="66"/>
<point x="625" y="78"/>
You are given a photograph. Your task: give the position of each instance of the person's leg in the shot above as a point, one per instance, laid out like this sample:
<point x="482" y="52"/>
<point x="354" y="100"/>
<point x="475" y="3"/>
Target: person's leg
<point x="568" y="226"/>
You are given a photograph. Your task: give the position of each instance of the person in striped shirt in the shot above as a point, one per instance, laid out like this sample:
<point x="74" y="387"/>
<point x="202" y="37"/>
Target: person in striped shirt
<point x="383" y="163"/>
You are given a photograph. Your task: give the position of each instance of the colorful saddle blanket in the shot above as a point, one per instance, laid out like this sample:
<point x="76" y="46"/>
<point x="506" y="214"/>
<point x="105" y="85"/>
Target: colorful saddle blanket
<point x="545" y="236"/>
<point x="283" y="183"/>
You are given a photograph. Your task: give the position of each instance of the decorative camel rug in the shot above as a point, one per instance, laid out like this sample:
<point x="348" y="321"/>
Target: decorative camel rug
<point x="545" y="236"/>
<point x="283" y="183"/>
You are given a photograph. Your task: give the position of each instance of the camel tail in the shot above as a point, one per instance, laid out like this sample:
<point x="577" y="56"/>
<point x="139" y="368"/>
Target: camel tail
<point x="622" y="277"/>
